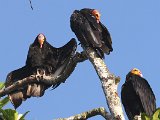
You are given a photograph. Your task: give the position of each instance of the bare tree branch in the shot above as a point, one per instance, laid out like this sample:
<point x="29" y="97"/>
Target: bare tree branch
<point x="88" y="114"/>
<point x="109" y="84"/>
<point x="49" y="80"/>
<point x="18" y="84"/>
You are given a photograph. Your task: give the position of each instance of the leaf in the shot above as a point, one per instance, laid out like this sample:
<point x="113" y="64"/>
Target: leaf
<point x="22" y="117"/>
<point x="4" y="114"/>
<point x="144" y="116"/>
<point x="156" y="115"/>
<point x="4" y="101"/>
<point x="1" y="85"/>
<point x="9" y="114"/>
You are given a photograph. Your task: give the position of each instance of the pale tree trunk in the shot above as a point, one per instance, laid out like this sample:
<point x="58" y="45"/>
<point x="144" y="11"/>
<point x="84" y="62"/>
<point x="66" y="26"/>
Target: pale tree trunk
<point x="109" y="84"/>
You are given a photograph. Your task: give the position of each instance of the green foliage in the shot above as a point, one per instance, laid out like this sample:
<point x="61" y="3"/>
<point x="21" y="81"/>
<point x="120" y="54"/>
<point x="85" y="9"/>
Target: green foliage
<point x="1" y="85"/>
<point x="9" y="114"/>
<point x="144" y="116"/>
<point x="3" y="102"/>
<point x="155" y="116"/>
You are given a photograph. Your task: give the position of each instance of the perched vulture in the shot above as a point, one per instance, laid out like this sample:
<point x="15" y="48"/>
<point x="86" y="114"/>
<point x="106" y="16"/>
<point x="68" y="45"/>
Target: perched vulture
<point x="137" y="95"/>
<point x="90" y="31"/>
<point x="42" y="59"/>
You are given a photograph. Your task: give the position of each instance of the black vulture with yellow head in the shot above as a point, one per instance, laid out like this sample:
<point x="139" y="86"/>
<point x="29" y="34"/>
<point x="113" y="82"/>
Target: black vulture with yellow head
<point x="86" y="25"/>
<point x="42" y="58"/>
<point x="137" y="95"/>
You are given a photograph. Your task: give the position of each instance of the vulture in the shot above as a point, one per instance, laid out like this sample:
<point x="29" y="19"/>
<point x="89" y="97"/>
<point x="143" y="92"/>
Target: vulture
<point x="86" y="25"/>
<point x="42" y="58"/>
<point x="137" y="95"/>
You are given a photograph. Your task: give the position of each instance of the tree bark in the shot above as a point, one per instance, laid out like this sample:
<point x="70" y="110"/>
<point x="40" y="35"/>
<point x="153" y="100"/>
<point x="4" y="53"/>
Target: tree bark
<point x="88" y="114"/>
<point x="109" y="84"/>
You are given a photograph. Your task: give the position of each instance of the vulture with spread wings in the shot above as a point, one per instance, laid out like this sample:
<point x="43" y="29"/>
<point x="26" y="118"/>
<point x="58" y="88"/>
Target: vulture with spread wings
<point x="42" y="59"/>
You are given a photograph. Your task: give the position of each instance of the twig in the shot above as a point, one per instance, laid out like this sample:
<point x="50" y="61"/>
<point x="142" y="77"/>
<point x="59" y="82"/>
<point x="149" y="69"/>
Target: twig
<point x="31" y="4"/>
<point x="109" y="84"/>
<point x="88" y="114"/>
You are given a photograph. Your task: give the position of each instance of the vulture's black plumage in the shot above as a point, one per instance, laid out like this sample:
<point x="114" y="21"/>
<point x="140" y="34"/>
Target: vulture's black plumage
<point x="137" y="95"/>
<point x="90" y="31"/>
<point x="42" y="57"/>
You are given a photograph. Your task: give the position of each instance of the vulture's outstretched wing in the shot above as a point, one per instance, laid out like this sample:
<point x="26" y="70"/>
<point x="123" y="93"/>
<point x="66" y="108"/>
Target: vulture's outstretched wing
<point x="65" y="64"/>
<point x="57" y="63"/>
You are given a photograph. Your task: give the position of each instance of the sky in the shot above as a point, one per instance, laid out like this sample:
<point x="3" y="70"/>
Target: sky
<point x="135" y="30"/>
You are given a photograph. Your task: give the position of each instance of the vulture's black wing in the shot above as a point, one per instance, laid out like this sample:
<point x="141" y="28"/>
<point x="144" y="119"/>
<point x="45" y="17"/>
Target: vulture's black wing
<point x="106" y="38"/>
<point x="145" y="94"/>
<point x="130" y="100"/>
<point x="81" y="27"/>
<point x="17" y="75"/>
<point x="65" y="64"/>
<point x="21" y="94"/>
<point x="100" y="31"/>
<point x="53" y="62"/>
<point x="90" y="32"/>
<point x="67" y="51"/>
<point x="137" y="97"/>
